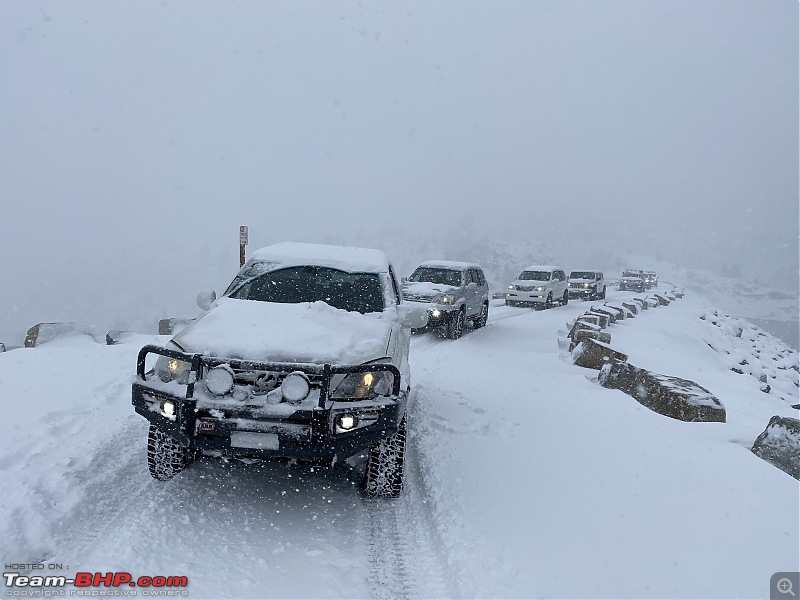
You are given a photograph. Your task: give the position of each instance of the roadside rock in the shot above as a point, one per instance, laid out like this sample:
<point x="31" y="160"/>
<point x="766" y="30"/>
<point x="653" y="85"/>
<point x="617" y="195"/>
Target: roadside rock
<point x="779" y="445"/>
<point x="593" y="354"/>
<point x="673" y="397"/>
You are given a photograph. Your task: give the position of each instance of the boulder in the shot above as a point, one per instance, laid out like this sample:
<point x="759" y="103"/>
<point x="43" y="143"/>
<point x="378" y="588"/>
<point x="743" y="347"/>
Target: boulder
<point x="642" y="303"/>
<point x="602" y="318"/>
<point x="594" y="354"/>
<point x="172" y="326"/>
<point x="587" y="334"/>
<point x="580" y="325"/>
<point x="632" y="306"/>
<point x="613" y="314"/>
<point x="42" y="333"/>
<point x="115" y="336"/>
<point x="626" y="312"/>
<point x="662" y="300"/>
<point x="673" y="397"/>
<point x="779" y="445"/>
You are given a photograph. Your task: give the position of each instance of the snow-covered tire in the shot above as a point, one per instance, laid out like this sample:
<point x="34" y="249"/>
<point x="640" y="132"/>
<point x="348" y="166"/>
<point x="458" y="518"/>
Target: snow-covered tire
<point x="565" y="298"/>
<point x="603" y="295"/>
<point x="549" y="302"/>
<point x="454" y="328"/>
<point x="385" y="466"/>
<point x="166" y="456"/>
<point x="482" y="318"/>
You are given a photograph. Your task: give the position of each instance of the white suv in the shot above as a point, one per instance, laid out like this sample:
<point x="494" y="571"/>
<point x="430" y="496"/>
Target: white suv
<point x="541" y="285"/>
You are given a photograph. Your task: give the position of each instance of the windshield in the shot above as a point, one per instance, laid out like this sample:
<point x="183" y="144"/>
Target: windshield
<point x="355" y="292"/>
<point x="436" y="275"/>
<point x="581" y="275"/>
<point x="631" y="274"/>
<point x="534" y="276"/>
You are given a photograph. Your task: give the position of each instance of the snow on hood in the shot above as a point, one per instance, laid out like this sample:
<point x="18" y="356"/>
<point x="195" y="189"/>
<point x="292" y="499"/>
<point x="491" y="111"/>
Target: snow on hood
<point x="306" y="332"/>
<point x="427" y="288"/>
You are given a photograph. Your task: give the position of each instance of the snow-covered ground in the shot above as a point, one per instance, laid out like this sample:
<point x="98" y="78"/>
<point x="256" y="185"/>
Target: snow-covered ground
<point x="525" y="477"/>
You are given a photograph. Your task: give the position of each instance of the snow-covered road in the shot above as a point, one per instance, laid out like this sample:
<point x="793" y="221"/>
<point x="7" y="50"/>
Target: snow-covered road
<point x="525" y="479"/>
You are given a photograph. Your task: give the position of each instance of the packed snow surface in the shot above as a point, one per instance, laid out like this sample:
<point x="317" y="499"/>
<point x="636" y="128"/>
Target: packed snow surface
<point x="525" y="478"/>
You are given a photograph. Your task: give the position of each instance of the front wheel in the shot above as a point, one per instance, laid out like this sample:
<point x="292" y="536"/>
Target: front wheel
<point x="454" y="328"/>
<point x="166" y="456"/>
<point x="385" y="466"/>
<point x="549" y="302"/>
<point x="603" y="295"/>
<point x="565" y="299"/>
<point x="481" y="319"/>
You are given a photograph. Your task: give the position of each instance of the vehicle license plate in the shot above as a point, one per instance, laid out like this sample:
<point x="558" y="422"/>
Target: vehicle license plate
<point x="255" y="440"/>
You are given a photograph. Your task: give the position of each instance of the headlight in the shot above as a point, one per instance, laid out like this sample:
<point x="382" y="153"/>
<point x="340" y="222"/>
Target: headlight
<point x="365" y="386"/>
<point x="170" y="369"/>
<point x="446" y="299"/>
<point x="539" y="288"/>
<point x="295" y="387"/>
<point x="219" y="380"/>
<point x="586" y="285"/>
<point x="511" y="287"/>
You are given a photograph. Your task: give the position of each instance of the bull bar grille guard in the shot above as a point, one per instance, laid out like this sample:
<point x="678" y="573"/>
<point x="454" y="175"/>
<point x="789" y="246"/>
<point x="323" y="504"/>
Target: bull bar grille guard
<point x="326" y="371"/>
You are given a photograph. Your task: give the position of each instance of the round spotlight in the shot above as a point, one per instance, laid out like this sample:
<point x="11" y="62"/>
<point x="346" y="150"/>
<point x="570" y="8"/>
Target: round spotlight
<point x="168" y="409"/>
<point x="219" y="380"/>
<point x="295" y="387"/>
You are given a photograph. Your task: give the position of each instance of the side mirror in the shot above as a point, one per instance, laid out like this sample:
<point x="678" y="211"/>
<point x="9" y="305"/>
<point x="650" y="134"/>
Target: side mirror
<point x="413" y="315"/>
<point x="404" y="280"/>
<point x="206" y="299"/>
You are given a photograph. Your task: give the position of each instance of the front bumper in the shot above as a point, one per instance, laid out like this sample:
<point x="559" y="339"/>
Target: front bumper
<point x="582" y="292"/>
<point x="520" y="296"/>
<point x="236" y="430"/>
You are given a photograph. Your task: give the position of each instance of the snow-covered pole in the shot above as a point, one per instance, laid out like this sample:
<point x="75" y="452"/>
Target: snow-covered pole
<point x="242" y="243"/>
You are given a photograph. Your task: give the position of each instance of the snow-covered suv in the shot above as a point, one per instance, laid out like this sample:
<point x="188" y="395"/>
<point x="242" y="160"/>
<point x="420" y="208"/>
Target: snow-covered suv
<point x="632" y="279"/>
<point x="304" y="357"/>
<point x="588" y="285"/>
<point x="540" y="285"/>
<point x="455" y="292"/>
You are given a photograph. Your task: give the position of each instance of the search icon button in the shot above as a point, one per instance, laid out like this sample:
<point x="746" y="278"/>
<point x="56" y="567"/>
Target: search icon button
<point x="784" y="586"/>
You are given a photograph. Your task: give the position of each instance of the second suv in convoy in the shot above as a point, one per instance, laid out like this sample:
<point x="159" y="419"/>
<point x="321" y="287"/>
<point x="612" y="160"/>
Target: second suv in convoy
<point x="588" y="285"/>
<point x="632" y="279"/>
<point x="650" y="279"/>
<point x="541" y="285"/>
<point x="456" y="291"/>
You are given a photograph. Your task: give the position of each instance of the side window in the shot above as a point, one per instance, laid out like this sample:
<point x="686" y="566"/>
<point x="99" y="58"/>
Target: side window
<point x="481" y="278"/>
<point x="395" y="289"/>
<point x="471" y="276"/>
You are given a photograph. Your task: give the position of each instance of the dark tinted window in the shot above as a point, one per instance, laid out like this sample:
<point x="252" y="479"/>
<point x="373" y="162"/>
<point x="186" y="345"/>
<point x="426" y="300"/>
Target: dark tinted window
<point x="436" y="275"/>
<point x="535" y="276"/>
<point x="356" y="292"/>
<point x="582" y="275"/>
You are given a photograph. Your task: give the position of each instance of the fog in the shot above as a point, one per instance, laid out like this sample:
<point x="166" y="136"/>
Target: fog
<point x="135" y="138"/>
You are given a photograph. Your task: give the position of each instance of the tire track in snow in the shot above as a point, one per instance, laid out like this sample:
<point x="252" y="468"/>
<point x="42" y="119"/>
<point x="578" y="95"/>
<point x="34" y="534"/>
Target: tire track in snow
<point x="406" y="554"/>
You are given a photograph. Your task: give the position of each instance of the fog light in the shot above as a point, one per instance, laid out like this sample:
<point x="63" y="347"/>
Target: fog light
<point x="347" y="422"/>
<point x="168" y="409"/>
<point x="436" y="313"/>
<point x="295" y="387"/>
<point x="219" y="380"/>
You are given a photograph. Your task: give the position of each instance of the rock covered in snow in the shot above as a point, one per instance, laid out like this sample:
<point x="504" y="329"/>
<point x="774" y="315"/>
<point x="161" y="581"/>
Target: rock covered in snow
<point x="594" y="354"/>
<point x="673" y="397"/>
<point x="779" y="445"/>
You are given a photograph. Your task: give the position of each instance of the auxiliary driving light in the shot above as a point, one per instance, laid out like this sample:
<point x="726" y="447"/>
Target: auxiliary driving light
<point x="295" y="387"/>
<point x="168" y="409"/>
<point x="347" y="422"/>
<point x="219" y="380"/>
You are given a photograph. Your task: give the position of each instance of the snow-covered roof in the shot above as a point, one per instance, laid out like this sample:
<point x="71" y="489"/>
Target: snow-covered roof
<point x="450" y="264"/>
<point x="542" y="268"/>
<point x="344" y="258"/>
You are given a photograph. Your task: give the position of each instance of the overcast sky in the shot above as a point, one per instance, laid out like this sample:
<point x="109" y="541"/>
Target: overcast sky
<point x="135" y="137"/>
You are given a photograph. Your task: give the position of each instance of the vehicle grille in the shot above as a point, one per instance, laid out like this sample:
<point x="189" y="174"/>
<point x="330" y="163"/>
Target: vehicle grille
<point x="262" y="382"/>
<point x="525" y="288"/>
<point x="411" y="297"/>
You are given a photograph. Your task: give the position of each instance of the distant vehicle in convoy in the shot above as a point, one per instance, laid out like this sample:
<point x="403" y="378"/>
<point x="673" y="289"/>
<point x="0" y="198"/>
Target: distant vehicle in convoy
<point x="305" y="357"/>
<point x="454" y="292"/>
<point x="632" y="280"/>
<point x="588" y="285"/>
<point x="650" y="279"/>
<point x="539" y="285"/>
